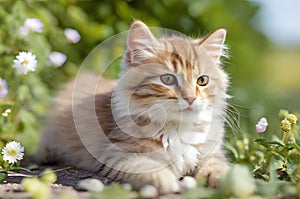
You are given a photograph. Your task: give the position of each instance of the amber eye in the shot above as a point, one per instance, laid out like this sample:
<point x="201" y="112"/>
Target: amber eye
<point x="203" y="80"/>
<point x="168" y="79"/>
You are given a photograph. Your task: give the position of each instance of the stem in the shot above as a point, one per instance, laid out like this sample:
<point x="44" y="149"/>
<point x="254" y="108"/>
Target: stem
<point x="14" y="174"/>
<point x="57" y="170"/>
<point x="285" y="137"/>
<point x="20" y="168"/>
<point x="295" y="145"/>
<point x="62" y="169"/>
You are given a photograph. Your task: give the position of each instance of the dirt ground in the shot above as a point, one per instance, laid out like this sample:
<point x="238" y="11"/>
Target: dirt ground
<point x="67" y="178"/>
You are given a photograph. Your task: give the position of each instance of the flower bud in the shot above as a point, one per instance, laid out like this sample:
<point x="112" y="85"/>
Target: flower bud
<point x="48" y="176"/>
<point x="283" y="113"/>
<point x="292" y="118"/>
<point x="36" y="188"/>
<point x="285" y="125"/>
<point x="240" y="188"/>
<point x="261" y="126"/>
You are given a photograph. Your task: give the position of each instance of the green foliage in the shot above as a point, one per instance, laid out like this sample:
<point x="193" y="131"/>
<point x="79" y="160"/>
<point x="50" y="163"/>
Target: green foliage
<point x="2" y="177"/>
<point x="113" y="191"/>
<point x="283" y="154"/>
<point x="275" y="161"/>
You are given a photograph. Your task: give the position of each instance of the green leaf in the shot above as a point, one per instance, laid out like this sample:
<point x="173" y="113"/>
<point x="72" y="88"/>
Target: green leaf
<point x="232" y="150"/>
<point x="40" y="47"/>
<point x="262" y="142"/>
<point x="265" y="143"/>
<point x="276" y="143"/>
<point x="272" y="189"/>
<point x="294" y="145"/>
<point x="291" y="168"/>
<point x="23" y="93"/>
<point x="27" y="117"/>
<point x="2" y="177"/>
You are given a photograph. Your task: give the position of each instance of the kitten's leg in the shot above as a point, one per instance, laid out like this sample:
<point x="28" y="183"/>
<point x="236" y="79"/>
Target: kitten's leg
<point x="140" y="171"/>
<point x="212" y="168"/>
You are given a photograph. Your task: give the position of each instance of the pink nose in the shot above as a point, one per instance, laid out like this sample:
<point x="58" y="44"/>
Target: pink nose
<point x="189" y="100"/>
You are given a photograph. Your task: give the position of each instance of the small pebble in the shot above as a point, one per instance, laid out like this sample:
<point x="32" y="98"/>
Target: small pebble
<point x="148" y="191"/>
<point x="90" y="184"/>
<point x="176" y="187"/>
<point x="188" y="182"/>
<point x="127" y="186"/>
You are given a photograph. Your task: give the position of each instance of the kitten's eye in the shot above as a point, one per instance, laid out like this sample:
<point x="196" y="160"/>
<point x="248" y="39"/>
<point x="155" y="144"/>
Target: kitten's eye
<point x="168" y="79"/>
<point x="203" y="80"/>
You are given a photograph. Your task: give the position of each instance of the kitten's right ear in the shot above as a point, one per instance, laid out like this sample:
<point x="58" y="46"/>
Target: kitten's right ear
<point x="214" y="44"/>
<point x="140" y="37"/>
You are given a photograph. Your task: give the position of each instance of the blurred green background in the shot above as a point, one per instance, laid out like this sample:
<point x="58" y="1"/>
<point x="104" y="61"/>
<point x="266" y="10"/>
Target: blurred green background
<point x="264" y="75"/>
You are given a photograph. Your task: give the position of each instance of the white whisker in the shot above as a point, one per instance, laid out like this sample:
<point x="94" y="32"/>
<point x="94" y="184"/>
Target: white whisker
<point x="233" y="118"/>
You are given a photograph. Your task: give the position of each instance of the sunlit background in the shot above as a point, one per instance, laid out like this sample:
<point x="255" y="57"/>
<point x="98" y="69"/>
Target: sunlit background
<point x="277" y="82"/>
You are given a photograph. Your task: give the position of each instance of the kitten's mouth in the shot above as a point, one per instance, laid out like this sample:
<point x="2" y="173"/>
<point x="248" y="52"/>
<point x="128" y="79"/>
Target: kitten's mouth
<point x="188" y="109"/>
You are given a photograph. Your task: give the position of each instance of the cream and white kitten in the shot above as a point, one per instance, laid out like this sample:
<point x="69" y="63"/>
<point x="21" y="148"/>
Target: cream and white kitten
<point x="162" y="120"/>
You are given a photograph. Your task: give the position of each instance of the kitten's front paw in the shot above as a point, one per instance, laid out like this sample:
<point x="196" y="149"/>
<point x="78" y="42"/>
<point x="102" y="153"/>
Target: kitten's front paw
<point x="212" y="170"/>
<point x="164" y="180"/>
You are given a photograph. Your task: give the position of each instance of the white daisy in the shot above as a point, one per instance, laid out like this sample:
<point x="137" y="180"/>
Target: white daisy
<point x="57" y="58"/>
<point x="13" y="152"/>
<point x="31" y="25"/>
<point x="24" y="62"/>
<point x="72" y="35"/>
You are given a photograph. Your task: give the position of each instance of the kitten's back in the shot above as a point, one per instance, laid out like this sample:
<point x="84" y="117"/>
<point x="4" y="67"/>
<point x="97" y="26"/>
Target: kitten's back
<point x="60" y="141"/>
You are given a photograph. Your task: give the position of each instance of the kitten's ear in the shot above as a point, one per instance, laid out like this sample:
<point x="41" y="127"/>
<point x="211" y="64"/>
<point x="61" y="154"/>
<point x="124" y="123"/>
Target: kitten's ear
<point x="214" y="44"/>
<point x="139" y="37"/>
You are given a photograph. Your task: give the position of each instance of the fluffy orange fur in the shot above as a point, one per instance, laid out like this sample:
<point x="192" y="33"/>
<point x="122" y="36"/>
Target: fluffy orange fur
<point x="162" y="120"/>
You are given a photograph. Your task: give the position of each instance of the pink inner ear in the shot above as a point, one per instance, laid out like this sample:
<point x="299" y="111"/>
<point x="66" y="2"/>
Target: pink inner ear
<point x="214" y="44"/>
<point x="215" y="52"/>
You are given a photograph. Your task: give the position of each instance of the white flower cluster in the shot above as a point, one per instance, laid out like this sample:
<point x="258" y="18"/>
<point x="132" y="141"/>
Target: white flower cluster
<point x="26" y="61"/>
<point x="72" y="35"/>
<point x="31" y="25"/>
<point x="56" y="58"/>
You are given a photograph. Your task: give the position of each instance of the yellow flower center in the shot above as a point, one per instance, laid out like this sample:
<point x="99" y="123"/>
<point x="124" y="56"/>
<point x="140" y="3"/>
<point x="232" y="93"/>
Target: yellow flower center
<point x="12" y="152"/>
<point x="25" y="62"/>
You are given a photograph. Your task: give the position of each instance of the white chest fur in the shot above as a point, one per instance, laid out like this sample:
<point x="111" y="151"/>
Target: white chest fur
<point x="180" y="147"/>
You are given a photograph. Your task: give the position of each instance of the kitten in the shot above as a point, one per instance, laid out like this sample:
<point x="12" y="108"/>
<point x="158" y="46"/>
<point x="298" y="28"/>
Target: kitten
<point x="162" y="120"/>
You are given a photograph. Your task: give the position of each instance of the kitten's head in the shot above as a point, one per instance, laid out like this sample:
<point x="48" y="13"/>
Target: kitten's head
<point x="174" y="77"/>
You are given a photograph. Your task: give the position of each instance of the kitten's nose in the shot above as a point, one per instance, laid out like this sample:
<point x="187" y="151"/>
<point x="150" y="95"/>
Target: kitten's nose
<point x="189" y="100"/>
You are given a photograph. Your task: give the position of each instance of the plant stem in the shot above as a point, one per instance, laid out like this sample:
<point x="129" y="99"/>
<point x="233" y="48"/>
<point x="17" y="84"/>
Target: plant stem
<point x="295" y="145"/>
<point x="285" y="137"/>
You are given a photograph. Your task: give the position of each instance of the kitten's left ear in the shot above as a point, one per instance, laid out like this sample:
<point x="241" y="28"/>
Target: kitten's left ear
<point x="214" y="44"/>
<point x="139" y="36"/>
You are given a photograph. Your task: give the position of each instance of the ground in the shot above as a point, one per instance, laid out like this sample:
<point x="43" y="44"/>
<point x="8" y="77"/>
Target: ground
<point x="67" y="178"/>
